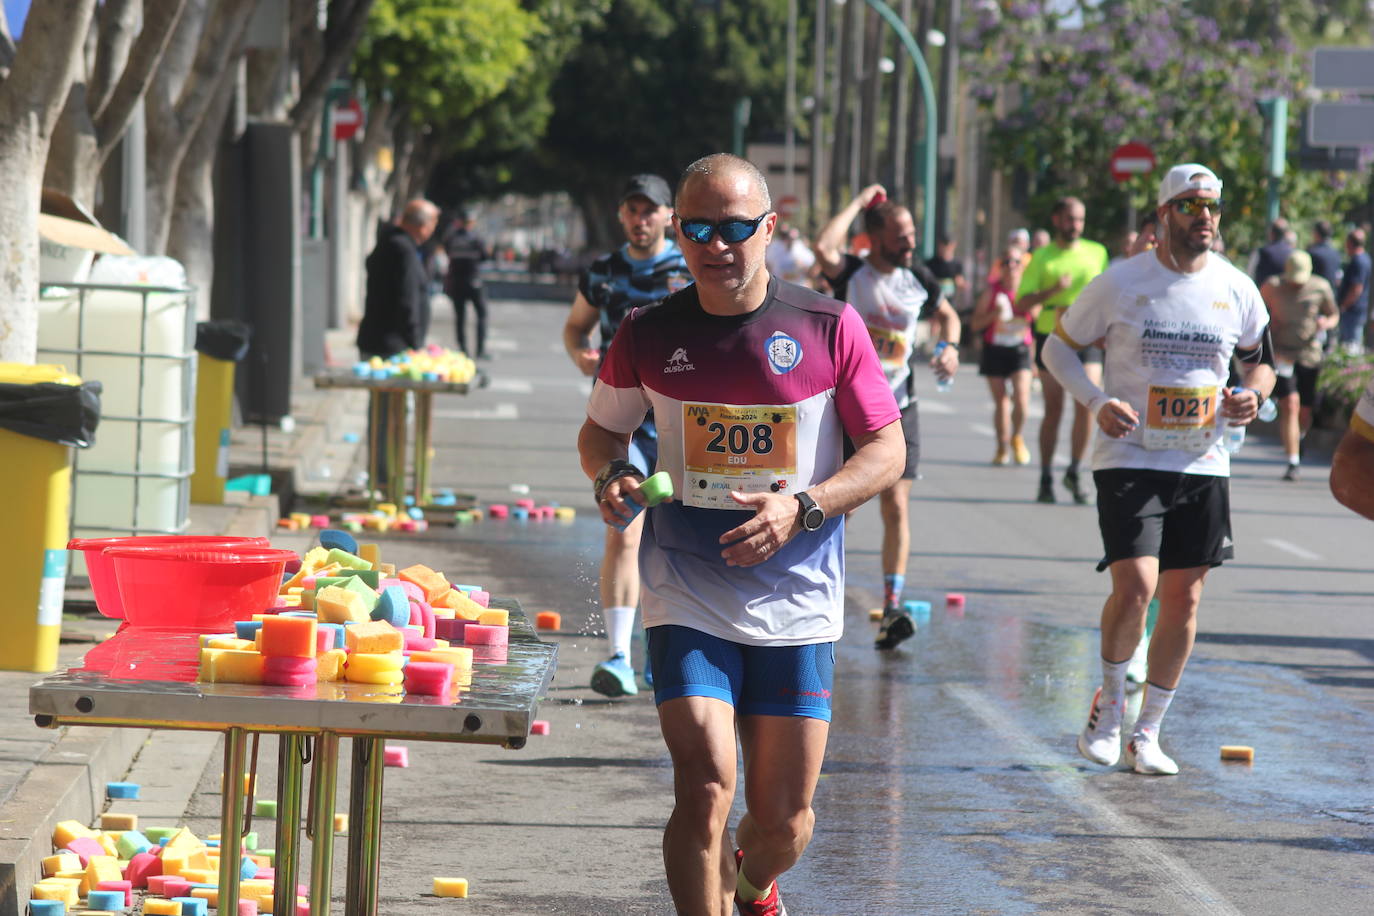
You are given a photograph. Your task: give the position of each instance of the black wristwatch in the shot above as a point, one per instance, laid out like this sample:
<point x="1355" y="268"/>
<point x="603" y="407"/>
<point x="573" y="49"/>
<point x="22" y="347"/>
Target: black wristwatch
<point x="810" y="515"/>
<point x="614" y="470"/>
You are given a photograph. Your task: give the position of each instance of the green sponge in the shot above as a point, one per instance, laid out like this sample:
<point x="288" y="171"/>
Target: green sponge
<point x="657" y="488"/>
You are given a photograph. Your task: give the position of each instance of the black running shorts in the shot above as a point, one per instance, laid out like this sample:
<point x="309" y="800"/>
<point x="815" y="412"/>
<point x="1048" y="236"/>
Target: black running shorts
<point x="1183" y="519"/>
<point x="911" y="432"/>
<point x="1303" y="381"/>
<point x="1000" y="362"/>
<point x="1088" y="354"/>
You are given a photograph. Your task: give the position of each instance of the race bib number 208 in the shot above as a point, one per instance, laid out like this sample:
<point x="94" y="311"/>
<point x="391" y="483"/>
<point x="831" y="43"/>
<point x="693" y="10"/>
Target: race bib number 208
<point x="729" y="447"/>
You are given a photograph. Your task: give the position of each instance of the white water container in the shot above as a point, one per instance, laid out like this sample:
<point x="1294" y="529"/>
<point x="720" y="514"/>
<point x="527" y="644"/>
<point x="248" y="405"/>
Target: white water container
<point x="138" y="343"/>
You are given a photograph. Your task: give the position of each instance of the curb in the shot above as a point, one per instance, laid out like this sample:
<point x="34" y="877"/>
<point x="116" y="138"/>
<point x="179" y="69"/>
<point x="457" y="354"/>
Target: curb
<point x="67" y="784"/>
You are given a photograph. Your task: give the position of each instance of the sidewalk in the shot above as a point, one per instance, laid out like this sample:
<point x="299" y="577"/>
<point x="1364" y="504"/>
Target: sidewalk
<point x="47" y="776"/>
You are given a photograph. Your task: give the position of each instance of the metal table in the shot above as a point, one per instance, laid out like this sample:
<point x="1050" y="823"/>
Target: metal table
<point x="387" y="397"/>
<point x="497" y="708"/>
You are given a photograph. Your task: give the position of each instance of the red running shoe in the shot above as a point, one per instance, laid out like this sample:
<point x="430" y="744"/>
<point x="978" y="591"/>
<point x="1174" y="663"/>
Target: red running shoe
<point x="768" y="906"/>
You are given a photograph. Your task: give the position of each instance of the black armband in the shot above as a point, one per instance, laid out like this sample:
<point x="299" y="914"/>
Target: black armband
<point x="614" y="469"/>
<point x="1263" y="354"/>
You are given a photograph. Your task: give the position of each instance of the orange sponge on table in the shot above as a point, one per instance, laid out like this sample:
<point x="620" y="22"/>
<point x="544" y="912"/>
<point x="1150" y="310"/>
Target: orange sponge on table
<point x="433" y="583"/>
<point x="548" y="620"/>
<point x="289" y="636"/>
<point x="373" y="637"/>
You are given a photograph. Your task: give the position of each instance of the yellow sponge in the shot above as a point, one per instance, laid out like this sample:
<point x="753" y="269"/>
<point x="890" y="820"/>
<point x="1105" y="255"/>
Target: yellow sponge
<point x="373" y="637"/>
<point x="65" y="889"/>
<point x="341" y="823"/>
<point x="156" y="906"/>
<point x="185" y="840"/>
<point x="329" y="665"/>
<point x="340" y="605"/>
<point x="102" y="868"/>
<point x="372" y="553"/>
<point x="111" y="820"/>
<point x="63" y="861"/>
<point x="450" y="887"/>
<point x="66" y="831"/>
<point x="1242" y="752"/>
<point x="494" y="617"/>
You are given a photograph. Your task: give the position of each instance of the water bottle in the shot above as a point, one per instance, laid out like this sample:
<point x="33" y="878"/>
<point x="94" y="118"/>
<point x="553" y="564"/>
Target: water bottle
<point x="1233" y="439"/>
<point x="943" y="383"/>
<point x="1268" y="411"/>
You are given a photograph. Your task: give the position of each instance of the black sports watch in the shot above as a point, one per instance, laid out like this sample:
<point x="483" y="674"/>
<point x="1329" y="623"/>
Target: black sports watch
<point x="810" y="515"/>
<point x="614" y="470"/>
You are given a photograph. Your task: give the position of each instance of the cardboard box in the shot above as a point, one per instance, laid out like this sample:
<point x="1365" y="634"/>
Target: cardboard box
<point x="69" y="239"/>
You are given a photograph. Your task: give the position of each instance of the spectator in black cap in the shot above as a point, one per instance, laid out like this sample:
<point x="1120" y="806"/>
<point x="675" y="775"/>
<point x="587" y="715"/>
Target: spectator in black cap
<point x="466" y="252"/>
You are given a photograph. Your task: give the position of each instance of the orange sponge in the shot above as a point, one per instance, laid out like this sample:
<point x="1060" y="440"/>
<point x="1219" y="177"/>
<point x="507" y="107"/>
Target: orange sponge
<point x="548" y="620"/>
<point x="289" y="636"/>
<point x="433" y="583"/>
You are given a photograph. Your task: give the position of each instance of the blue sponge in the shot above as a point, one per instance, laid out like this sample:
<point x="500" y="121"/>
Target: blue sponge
<point x="105" y="900"/>
<point x="193" y="906"/>
<point x="331" y="538"/>
<point x="247" y="629"/>
<point x="121" y="789"/>
<point x="393" y="606"/>
<point x="53" y="907"/>
<point x="338" y="631"/>
<point x="248" y="869"/>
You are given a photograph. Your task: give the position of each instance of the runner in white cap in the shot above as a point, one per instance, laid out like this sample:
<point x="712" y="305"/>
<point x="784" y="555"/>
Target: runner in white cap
<point x="1172" y="318"/>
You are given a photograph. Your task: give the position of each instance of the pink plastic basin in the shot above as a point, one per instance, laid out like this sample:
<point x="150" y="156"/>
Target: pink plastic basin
<point x="100" y="568"/>
<point x="196" y="588"/>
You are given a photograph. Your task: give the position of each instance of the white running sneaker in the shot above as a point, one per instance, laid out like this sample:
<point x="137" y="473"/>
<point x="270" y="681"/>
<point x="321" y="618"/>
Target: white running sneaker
<point x="1144" y="755"/>
<point x="1101" y="739"/>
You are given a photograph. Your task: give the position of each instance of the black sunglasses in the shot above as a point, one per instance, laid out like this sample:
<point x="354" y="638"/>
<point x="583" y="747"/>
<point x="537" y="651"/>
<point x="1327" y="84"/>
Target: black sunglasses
<point x="731" y="231"/>
<point x="1193" y="206"/>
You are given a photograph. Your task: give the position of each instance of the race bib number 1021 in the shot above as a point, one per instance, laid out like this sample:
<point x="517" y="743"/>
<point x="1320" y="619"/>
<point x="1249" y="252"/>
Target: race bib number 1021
<point x="1181" y="418"/>
<point x="727" y="447"/>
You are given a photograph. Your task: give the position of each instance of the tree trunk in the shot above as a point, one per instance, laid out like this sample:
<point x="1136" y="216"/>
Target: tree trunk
<point x="192" y="240"/>
<point x="31" y="98"/>
<point x="73" y="165"/>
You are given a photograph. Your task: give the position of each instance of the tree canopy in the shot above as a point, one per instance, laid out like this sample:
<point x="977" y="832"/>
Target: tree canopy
<point x="1156" y="71"/>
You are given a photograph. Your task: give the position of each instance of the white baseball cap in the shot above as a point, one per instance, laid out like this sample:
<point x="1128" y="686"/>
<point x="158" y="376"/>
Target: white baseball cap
<point x="1190" y="176"/>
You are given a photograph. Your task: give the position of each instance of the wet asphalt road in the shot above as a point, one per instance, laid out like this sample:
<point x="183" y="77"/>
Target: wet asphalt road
<point x="951" y="784"/>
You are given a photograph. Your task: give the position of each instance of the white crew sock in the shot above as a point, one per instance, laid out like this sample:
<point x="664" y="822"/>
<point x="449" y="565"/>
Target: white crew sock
<point x="1153" y="708"/>
<point x="620" y="628"/>
<point x="1113" y="703"/>
<point x="1293" y="459"/>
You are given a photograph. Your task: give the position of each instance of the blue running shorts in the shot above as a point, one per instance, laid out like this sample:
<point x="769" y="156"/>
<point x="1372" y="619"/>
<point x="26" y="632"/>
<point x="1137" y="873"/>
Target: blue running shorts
<point x="756" y="680"/>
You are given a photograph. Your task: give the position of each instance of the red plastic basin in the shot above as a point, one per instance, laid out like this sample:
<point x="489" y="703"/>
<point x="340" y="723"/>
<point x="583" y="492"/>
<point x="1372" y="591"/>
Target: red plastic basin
<point x="196" y="588"/>
<point x="100" y="569"/>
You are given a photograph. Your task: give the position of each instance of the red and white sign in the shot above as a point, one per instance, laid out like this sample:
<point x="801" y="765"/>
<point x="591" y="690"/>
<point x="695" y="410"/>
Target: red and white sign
<point x="1132" y="159"/>
<point x="348" y="119"/>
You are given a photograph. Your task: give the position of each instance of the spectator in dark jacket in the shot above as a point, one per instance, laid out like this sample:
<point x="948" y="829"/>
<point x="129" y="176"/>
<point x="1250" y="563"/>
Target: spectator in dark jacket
<point x="396" y="310"/>
<point x="1326" y="260"/>
<point x="1270" y="259"/>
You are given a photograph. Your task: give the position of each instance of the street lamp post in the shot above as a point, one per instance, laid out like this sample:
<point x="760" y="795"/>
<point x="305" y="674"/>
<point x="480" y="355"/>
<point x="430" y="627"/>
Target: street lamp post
<point x="923" y="155"/>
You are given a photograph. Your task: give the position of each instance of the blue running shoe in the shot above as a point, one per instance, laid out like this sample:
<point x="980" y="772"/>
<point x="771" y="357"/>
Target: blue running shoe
<point x="614" y="678"/>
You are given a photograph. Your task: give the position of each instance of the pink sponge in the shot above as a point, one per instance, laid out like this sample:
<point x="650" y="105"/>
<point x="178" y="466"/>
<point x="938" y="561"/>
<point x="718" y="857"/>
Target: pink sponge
<point x="126" y="886"/>
<point x="539" y="727"/>
<point x="141" y="866"/>
<point x="954" y="599"/>
<point x="169" y="886"/>
<point x="288" y="671"/>
<point x="396" y="755"/>
<point x="417" y="643"/>
<point x="85" y="847"/>
<point x="432" y="679"/>
<point x="477" y="634"/>
<point x="450" y="628"/>
<point x="481" y="597"/>
<point x="498" y="511"/>
<point x="525" y="503"/>
<point x="413" y="591"/>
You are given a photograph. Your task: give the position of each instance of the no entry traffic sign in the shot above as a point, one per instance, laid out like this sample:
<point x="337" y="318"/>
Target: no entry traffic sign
<point x="348" y="119"/>
<point x="1131" y="159"/>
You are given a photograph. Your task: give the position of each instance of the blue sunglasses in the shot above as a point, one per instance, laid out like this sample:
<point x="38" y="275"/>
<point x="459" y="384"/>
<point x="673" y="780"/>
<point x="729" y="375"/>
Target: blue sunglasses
<point x="731" y="231"/>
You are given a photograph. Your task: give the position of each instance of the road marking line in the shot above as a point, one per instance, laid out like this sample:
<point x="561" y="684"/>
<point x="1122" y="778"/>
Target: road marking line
<point x="498" y="412"/>
<point x="982" y="429"/>
<point x="1166" y="871"/>
<point x="511" y="385"/>
<point x="1294" y="549"/>
<point x="930" y="405"/>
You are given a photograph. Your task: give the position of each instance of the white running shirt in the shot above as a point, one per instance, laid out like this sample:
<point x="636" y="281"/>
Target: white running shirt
<point x="890" y="305"/>
<point x="1169" y="340"/>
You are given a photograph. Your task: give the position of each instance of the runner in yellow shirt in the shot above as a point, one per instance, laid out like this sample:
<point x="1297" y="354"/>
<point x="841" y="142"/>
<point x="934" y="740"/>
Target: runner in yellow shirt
<point x="1056" y="275"/>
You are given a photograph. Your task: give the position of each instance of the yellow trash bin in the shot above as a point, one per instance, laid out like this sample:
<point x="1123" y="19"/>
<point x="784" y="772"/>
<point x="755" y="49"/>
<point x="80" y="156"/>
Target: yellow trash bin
<point x="214" y="416"/>
<point x="34" y="538"/>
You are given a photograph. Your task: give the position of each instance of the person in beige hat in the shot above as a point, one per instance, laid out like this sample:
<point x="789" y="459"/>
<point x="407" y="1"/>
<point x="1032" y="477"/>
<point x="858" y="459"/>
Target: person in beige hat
<point x="1301" y="305"/>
